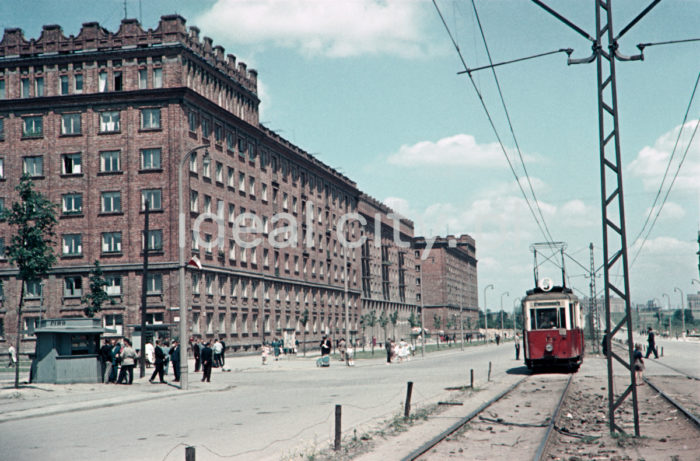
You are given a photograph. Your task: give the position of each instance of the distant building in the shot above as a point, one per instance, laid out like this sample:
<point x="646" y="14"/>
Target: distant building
<point x="449" y="282"/>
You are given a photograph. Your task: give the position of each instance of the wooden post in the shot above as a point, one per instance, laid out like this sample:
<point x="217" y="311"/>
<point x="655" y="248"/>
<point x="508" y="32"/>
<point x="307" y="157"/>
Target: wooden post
<point x="189" y="452"/>
<point x="407" y="407"/>
<point x="471" y="378"/>
<point x="662" y="351"/>
<point x="336" y="445"/>
<point x="489" y="371"/>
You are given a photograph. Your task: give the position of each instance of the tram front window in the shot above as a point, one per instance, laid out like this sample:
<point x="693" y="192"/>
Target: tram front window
<point x="544" y="319"/>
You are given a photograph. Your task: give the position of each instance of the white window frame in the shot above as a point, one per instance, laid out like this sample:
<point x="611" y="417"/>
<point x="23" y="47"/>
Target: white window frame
<point x="111" y="242"/>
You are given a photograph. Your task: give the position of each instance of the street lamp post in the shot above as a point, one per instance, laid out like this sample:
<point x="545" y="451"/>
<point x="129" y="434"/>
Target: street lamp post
<point x="486" y="315"/>
<point x="515" y="315"/>
<point x="181" y="269"/>
<point x="422" y="315"/>
<point x="682" y="310"/>
<point x="502" y="294"/>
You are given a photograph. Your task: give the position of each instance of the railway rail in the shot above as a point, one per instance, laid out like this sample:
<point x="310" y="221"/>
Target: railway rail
<point x="519" y="393"/>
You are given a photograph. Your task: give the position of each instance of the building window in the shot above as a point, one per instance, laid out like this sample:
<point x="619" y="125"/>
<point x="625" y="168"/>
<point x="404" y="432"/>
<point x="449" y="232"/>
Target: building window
<point x="206" y="166"/>
<point x="264" y="192"/>
<point x="158" y="77"/>
<point x="219" y="173"/>
<point x="72" y="203"/>
<point x="25" y="87"/>
<point x="195" y="283"/>
<point x="2" y="126"/>
<point x="111" y="202"/>
<point x="143" y="79"/>
<point x="3" y="94"/>
<point x="206" y="128"/>
<point x="118" y="81"/>
<point x="150" y="119"/>
<point x="33" y="166"/>
<point x="241" y="182"/>
<point x="71" y="164"/>
<point x="109" y="122"/>
<point x="2" y="252"/>
<point x="195" y="240"/>
<point x="73" y="287"/>
<point x="32" y="289"/>
<point x="218" y="134"/>
<point x="195" y="322"/>
<point x="207" y="204"/>
<point x="72" y="245"/>
<point x="64" y="84"/>
<point x="209" y="284"/>
<point x="109" y="161"/>
<point x="150" y="159"/>
<point x="230" y="143"/>
<point x="102" y="82"/>
<point x="155" y="240"/>
<point x="32" y="127"/>
<point x="251" y="186"/>
<point x="194" y="201"/>
<point x="154" y="284"/>
<point x="2" y="168"/>
<point x="78" y="83"/>
<point x="70" y="124"/>
<point x="193" y="163"/>
<point x="192" y="120"/>
<point x="39" y="86"/>
<point x="114" y="322"/>
<point x="111" y="242"/>
<point x="153" y="196"/>
<point x="231" y="212"/>
<point x="230" y="177"/>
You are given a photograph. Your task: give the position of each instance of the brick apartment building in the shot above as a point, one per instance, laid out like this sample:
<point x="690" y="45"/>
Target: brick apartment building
<point x="101" y="122"/>
<point x="449" y="282"/>
<point x="388" y="276"/>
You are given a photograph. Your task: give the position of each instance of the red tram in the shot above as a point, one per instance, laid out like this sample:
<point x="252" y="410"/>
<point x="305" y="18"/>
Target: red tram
<point x="552" y="325"/>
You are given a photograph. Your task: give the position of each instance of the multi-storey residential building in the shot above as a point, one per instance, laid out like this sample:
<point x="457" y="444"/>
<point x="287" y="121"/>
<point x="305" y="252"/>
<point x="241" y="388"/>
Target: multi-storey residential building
<point x="101" y="122"/>
<point x="447" y="273"/>
<point x="388" y="276"/>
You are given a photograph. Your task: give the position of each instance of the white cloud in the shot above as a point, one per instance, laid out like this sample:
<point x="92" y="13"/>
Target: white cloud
<point x="458" y="150"/>
<point x="651" y="162"/>
<point x="671" y="211"/>
<point x="322" y="27"/>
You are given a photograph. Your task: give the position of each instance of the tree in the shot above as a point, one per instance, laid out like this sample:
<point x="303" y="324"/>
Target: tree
<point x="383" y="322"/>
<point x="394" y="319"/>
<point x="97" y="296"/>
<point x="413" y="320"/>
<point x="437" y="322"/>
<point x="371" y="321"/>
<point x="304" y="319"/>
<point x="33" y="219"/>
<point x="688" y="316"/>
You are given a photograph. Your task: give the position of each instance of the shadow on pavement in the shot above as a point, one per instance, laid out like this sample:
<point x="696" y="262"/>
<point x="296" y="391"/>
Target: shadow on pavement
<point x="521" y="370"/>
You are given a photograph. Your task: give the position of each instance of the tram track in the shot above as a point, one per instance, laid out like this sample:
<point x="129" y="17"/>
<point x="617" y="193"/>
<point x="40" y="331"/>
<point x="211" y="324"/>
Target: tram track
<point x="505" y="411"/>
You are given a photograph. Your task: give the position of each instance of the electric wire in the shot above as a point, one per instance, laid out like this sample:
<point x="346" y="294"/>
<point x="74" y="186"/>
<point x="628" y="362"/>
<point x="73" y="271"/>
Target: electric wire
<point x="490" y="119"/>
<point x="675" y="176"/>
<point x="510" y="124"/>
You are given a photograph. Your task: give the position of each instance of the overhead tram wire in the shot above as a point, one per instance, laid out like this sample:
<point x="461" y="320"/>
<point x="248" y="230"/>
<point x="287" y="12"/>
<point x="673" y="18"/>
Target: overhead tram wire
<point x="510" y="124"/>
<point x="670" y="160"/>
<point x="490" y="119"/>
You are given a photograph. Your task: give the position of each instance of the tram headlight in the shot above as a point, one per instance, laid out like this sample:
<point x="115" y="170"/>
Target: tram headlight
<point x="549" y="347"/>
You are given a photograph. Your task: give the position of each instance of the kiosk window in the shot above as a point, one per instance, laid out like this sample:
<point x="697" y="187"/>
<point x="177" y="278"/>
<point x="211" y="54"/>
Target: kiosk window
<point x="80" y="345"/>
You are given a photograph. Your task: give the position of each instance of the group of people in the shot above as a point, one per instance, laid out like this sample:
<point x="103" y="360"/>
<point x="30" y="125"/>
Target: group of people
<point x="208" y="355"/>
<point x="397" y="352"/>
<point x="118" y="358"/>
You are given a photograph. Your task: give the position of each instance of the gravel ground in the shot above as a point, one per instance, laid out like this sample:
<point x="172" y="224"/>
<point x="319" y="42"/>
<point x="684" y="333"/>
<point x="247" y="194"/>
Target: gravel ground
<point x="665" y="433"/>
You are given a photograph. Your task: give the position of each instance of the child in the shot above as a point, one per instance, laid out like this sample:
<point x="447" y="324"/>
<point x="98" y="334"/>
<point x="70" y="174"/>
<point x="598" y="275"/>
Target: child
<point x="265" y="353"/>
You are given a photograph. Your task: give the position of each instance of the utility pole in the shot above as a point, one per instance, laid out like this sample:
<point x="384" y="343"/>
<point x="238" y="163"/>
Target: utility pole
<point x="144" y="291"/>
<point x="612" y="202"/>
<point x="593" y="306"/>
<point x="347" y="307"/>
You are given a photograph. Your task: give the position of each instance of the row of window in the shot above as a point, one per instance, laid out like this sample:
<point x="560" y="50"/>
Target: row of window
<point x="113" y="80"/>
<point x="73" y="286"/>
<point x="71" y="123"/>
<point x="111" y="242"/>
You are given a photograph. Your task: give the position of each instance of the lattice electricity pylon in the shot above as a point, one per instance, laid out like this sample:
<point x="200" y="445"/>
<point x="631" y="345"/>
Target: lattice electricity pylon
<point x="593" y="305"/>
<point x="612" y="201"/>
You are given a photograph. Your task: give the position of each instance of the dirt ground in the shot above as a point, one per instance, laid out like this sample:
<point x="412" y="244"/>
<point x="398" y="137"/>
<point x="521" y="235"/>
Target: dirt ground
<point x="666" y="434"/>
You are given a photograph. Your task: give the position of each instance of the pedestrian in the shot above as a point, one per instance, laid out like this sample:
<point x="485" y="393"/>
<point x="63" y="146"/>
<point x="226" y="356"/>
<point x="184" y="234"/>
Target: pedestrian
<point x="116" y="360"/>
<point x="265" y="353"/>
<point x="325" y="346"/>
<point x="174" y="353"/>
<point x="498" y="339"/>
<point x="159" y="361"/>
<point x="388" y="346"/>
<point x="341" y="349"/>
<point x="223" y="352"/>
<point x="517" y="347"/>
<point x="195" y="351"/>
<point x="150" y="354"/>
<point x="12" y="355"/>
<point x="206" y="356"/>
<point x="217" y="354"/>
<point x="349" y="353"/>
<point x="651" y="344"/>
<point x="638" y="364"/>
<point x="165" y="346"/>
<point x="128" y="359"/>
<point x="106" y="360"/>
<point x="276" y="344"/>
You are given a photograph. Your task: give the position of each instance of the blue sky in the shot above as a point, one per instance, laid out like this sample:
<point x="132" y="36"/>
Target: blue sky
<point x="371" y="88"/>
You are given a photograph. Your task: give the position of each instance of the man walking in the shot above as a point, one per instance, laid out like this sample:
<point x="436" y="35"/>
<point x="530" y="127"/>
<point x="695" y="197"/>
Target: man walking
<point x="106" y="359"/>
<point x="196" y="352"/>
<point x="159" y="362"/>
<point x="217" y="353"/>
<point x="12" y="353"/>
<point x="175" y="359"/>
<point x="206" y="356"/>
<point x="517" y="347"/>
<point x="651" y="347"/>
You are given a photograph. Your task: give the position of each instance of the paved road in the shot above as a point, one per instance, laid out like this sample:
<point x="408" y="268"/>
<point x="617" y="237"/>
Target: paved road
<point x="268" y="411"/>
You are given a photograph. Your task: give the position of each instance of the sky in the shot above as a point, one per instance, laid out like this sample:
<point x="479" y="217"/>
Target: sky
<point x="372" y="88"/>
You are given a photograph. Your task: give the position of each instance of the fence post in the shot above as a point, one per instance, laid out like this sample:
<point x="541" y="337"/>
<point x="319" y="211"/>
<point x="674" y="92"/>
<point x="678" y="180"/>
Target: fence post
<point x="189" y="454"/>
<point x="471" y="378"/>
<point x="662" y="351"/>
<point x="407" y="407"/>
<point x="489" y="371"/>
<point x="336" y="445"/>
